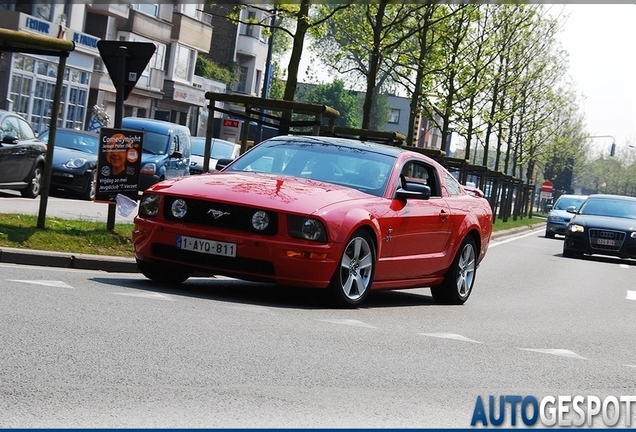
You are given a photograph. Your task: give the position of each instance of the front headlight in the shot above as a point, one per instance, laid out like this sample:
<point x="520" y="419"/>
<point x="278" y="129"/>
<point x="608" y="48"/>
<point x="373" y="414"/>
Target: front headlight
<point x="306" y="228"/>
<point x="149" y="205"/>
<point x="75" y="163"/>
<point x="148" y="168"/>
<point x="260" y="220"/>
<point x="555" y="219"/>
<point x="179" y="208"/>
<point x="576" y="228"/>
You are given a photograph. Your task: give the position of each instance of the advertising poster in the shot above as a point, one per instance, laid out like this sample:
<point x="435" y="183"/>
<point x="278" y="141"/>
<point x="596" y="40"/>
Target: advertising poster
<point x="119" y="162"/>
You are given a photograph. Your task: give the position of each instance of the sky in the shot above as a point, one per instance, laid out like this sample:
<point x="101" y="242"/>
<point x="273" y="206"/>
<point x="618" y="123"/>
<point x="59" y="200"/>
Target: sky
<point x="601" y="42"/>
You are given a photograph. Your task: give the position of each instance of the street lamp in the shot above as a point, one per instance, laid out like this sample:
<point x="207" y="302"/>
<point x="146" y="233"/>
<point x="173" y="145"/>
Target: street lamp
<point x="613" y="148"/>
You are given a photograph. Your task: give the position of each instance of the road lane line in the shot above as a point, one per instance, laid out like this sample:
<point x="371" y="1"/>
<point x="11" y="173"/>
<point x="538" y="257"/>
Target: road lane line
<point x="453" y="336"/>
<point x="57" y="284"/>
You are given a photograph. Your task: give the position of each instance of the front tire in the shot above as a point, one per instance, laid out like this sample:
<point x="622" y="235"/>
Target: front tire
<point x="460" y="277"/>
<point x="351" y="282"/>
<point x="35" y="184"/>
<point x="91" y="187"/>
<point x="549" y="234"/>
<point x="165" y="273"/>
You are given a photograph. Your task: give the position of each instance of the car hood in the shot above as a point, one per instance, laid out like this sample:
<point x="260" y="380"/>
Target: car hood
<point x="276" y="192"/>
<point x="604" y="222"/>
<point x="62" y="155"/>
<point x="560" y="213"/>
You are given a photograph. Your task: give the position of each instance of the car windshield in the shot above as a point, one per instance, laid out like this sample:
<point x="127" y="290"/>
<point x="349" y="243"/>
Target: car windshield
<point x="609" y="207"/>
<point x="155" y="143"/>
<point x="220" y="149"/>
<point x="361" y="169"/>
<point x="73" y="140"/>
<point x="564" y="202"/>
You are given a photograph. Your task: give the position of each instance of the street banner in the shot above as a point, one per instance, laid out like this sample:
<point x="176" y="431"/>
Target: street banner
<point x="118" y="164"/>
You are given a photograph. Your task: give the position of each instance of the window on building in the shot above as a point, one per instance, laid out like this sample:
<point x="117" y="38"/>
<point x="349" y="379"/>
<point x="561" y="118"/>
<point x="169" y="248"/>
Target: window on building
<point x="242" y="84"/>
<point x="149" y="8"/>
<point x="249" y="29"/>
<point x="184" y="61"/>
<point x="191" y="10"/>
<point x="394" y="117"/>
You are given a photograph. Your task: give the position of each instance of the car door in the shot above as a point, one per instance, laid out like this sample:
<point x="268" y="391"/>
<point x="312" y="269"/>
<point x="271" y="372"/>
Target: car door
<point x="421" y="229"/>
<point x="14" y="164"/>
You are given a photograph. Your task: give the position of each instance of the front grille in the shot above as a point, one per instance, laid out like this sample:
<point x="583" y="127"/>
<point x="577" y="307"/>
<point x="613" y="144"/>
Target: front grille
<point x="231" y="216"/>
<point x="238" y="264"/>
<point x="598" y="238"/>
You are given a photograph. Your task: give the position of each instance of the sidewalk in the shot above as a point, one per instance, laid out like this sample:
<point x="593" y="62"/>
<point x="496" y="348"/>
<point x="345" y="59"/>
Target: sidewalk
<point x="127" y="265"/>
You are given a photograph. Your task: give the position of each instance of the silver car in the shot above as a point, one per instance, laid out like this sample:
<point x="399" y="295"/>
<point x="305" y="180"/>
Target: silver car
<point x="221" y="149"/>
<point x="558" y="217"/>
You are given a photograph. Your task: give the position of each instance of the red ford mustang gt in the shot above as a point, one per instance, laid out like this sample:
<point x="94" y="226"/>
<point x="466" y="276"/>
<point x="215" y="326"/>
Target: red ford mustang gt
<point x="319" y="212"/>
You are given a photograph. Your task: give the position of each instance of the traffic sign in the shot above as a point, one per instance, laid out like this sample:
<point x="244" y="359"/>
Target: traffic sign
<point x="547" y="186"/>
<point x="138" y="54"/>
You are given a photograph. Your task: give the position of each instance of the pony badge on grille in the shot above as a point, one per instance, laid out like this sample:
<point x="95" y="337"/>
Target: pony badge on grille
<point x="216" y="214"/>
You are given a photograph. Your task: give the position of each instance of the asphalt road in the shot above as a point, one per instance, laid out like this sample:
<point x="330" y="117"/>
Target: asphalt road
<point x="93" y="349"/>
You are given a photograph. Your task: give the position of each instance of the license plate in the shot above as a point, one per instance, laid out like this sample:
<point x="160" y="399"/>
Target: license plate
<point x="206" y="246"/>
<point x="605" y="242"/>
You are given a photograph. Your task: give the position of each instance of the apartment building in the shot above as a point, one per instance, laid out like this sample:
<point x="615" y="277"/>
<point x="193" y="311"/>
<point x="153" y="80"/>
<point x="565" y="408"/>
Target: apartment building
<point x="168" y="88"/>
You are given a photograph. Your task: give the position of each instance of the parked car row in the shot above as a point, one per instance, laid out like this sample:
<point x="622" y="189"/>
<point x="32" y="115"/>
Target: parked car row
<point x="168" y="151"/>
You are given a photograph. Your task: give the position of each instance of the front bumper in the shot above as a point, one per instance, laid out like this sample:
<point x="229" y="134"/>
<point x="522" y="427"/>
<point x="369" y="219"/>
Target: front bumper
<point x="258" y="258"/>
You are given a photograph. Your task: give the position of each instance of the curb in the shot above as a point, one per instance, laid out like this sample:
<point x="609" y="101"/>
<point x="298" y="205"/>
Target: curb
<point x="127" y="265"/>
<point x="68" y="260"/>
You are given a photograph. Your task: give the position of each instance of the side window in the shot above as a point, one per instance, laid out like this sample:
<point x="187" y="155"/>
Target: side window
<point x="11" y="127"/>
<point x="175" y="143"/>
<point x="25" y="130"/>
<point x="419" y="172"/>
<point x="452" y="185"/>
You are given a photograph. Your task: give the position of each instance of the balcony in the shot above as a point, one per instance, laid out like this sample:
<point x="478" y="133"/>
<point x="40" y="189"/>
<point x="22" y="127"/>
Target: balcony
<point x="192" y="32"/>
<point x="109" y="9"/>
<point x="250" y="46"/>
<point x="148" y="26"/>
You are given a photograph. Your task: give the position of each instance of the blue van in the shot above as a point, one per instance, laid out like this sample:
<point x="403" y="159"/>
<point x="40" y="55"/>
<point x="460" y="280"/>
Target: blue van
<point x="166" y="149"/>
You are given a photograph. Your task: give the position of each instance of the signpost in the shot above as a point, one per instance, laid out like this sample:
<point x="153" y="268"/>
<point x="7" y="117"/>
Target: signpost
<point x="546" y="190"/>
<point x="125" y="62"/>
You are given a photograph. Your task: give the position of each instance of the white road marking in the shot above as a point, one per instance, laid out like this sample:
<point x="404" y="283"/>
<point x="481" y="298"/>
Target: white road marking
<point x="508" y="240"/>
<point x="350" y="322"/>
<point x="57" y="284"/>
<point x="559" y="352"/>
<point x="631" y="295"/>
<point x="450" y="336"/>
<point x="146" y="295"/>
<point x="623" y="266"/>
<point x="634" y="366"/>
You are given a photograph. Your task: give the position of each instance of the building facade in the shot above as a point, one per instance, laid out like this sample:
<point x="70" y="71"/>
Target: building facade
<point x="168" y="88"/>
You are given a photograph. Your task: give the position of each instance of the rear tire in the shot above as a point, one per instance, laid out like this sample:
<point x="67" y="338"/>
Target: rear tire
<point x="35" y="184"/>
<point x="165" y="273"/>
<point x="460" y="277"/>
<point x="351" y="282"/>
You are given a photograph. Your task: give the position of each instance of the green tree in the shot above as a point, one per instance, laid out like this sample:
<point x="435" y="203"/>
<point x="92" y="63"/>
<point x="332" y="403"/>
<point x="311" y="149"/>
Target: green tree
<point x="335" y="96"/>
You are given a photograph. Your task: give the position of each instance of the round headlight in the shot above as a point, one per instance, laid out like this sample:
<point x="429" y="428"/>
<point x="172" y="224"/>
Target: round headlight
<point x="179" y="208"/>
<point x="312" y="229"/>
<point x="260" y="220"/>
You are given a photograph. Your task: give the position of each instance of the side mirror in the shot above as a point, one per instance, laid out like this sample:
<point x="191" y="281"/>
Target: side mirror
<point x="571" y="209"/>
<point x="9" y="139"/>
<point x="413" y="190"/>
<point x="548" y="207"/>
<point x="176" y="155"/>
<point x="222" y="163"/>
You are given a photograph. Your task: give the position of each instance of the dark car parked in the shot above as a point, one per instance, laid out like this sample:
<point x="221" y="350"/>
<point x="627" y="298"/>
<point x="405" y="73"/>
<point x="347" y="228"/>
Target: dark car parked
<point x="22" y="155"/>
<point x="74" y="161"/>
<point x="604" y="225"/>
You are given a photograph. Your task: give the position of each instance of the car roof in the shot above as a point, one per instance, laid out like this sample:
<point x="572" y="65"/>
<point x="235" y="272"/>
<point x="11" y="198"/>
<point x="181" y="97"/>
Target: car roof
<point x="152" y="125"/>
<point x="610" y="196"/>
<point x="348" y="142"/>
<point x="572" y="196"/>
